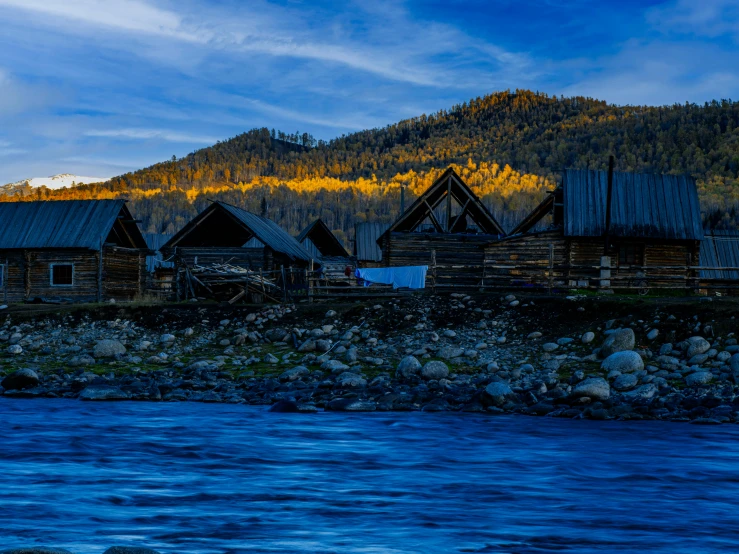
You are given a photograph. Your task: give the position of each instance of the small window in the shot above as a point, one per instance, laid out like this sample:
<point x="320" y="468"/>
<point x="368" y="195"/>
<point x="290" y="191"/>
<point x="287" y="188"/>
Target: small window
<point x="630" y="254"/>
<point x="62" y="275"/>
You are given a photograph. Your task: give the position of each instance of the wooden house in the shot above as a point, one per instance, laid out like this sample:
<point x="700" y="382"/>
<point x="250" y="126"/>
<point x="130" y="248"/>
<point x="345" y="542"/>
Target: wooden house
<point x="226" y="234"/>
<point x="720" y="256"/>
<point x="647" y="226"/>
<point x="366" y="249"/>
<point x="445" y="228"/>
<point x="78" y="250"/>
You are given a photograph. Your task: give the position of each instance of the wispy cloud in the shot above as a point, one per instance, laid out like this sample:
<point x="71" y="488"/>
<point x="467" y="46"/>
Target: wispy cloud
<point x="150" y="134"/>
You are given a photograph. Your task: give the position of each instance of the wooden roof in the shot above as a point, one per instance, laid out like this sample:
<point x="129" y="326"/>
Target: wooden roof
<point x="320" y="236"/>
<point x="68" y="224"/>
<point x="219" y="217"/>
<point x="643" y="205"/>
<point x="449" y="186"/>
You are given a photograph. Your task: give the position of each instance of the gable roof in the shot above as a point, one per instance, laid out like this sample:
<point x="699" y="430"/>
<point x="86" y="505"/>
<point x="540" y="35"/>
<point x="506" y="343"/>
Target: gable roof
<point x="65" y="224"/>
<point x="321" y="237"/>
<point x="449" y="185"/>
<point x="266" y="231"/>
<point x="643" y="205"/>
<point x="366" y="235"/>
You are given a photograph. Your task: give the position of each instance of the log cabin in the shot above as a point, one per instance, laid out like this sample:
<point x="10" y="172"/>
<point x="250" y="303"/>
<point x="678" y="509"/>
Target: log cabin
<point x="71" y="250"/>
<point x="447" y="228"/>
<point x="648" y="227"/>
<point x="223" y="233"/>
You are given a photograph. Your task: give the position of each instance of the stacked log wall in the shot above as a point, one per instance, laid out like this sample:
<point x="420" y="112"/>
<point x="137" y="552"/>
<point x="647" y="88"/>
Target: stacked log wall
<point x="459" y="257"/>
<point x="531" y="255"/>
<point x="124" y="272"/>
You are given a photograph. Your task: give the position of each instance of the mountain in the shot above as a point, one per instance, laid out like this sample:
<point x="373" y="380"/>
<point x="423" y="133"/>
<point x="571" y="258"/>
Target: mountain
<point x="509" y="146"/>
<point x="26" y="187"/>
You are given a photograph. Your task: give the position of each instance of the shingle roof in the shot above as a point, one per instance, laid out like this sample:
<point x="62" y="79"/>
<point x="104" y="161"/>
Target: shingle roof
<point x="366" y="248"/>
<point x="653" y="206"/>
<point x="60" y="224"/>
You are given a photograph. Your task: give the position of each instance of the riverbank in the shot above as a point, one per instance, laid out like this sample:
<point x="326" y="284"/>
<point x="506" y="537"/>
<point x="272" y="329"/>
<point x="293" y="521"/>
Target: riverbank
<point x="574" y="357"/>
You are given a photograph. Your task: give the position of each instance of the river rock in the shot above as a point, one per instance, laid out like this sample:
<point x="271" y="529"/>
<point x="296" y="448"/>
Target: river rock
<point x="449" y="352"/>
<point x="549" y="346"/>
<point x="596" y="388"/>
<point x="643" y="392"/>
<point x="408" y="367"/>
<point x="285" y="407"/>
<point x="103" y="392"/>
<point x="351" y="380"/>
<point x="307" y="346"/>
<point x="588" y="337"/>
<point x="624" y="382"/>
<point x="699" y="378"/>
<point x="434" y="370"/>
<point x="108" y="348"/>
<point x="697" y="345"/>
<point x="294" y="374"/>
<point x="652" y="334"/>
<point x="351" y="405"/>
<point x="499" y="393"/>
<point x="626" y="361"/>
<point x="334" y="366"/>
<point x="618" y="341"/>
<point x="24" y="378"/>
<point x="14" y="349"/>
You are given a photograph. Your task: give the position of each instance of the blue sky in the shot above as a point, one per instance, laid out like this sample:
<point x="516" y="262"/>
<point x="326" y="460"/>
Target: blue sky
<point x="101" y="87"/>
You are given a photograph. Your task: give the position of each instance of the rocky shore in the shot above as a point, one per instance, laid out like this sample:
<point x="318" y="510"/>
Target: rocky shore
<point x="573" y="357"/>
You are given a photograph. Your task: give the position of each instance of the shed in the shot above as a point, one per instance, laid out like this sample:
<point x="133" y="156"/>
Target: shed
<point x="366" y="249"/>
<point x="446" y="227"/>
<point x="223" y="233"/>
<point x="650" y="220"/>
<point x="80" y="250"/>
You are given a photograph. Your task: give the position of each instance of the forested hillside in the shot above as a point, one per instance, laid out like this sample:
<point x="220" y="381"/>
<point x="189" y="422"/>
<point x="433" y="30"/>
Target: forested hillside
<point x="508" y="146"/>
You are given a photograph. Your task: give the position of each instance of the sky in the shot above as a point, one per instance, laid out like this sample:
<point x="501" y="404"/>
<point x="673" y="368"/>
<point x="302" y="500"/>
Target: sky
<point x="102" y="87"/>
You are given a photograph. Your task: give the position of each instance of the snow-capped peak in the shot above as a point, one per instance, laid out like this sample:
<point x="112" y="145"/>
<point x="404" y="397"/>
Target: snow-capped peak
<point x="56" y="181"/>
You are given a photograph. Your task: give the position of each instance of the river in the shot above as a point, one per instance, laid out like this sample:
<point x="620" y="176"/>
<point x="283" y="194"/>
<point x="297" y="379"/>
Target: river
<point x="214" y="478"/>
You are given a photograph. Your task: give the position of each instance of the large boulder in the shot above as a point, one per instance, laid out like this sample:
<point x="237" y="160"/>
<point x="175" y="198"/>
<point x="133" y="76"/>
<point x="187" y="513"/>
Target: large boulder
<point x="697" y="345"/>
<point x="103" y="392"/>
<point x="699" y="378"/>
<point x="408" y="367"/>
<point x="627" y="361"/>
<point x="108" y="348"/>
<point x="499" y="393"/>
<point x="618" y="341"/>
<point x="22" y="379"/>
<point x="595" y="388"/>
<point x="435" y="370"/>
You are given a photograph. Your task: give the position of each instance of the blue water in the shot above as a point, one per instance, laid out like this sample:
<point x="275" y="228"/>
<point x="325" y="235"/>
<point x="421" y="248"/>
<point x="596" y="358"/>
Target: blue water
<point x="221" y="478"/>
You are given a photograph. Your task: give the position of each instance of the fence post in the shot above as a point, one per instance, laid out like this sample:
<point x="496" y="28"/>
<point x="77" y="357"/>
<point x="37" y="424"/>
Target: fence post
<point x="605" y="274"/>
<point x="284" y="284"/>
<point x="433" y="266"/>
<point x="551" y="266"/>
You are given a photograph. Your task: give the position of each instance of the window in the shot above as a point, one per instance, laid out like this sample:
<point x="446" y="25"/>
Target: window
<point x="630" y="254"/>
<point x="62" y="275"/>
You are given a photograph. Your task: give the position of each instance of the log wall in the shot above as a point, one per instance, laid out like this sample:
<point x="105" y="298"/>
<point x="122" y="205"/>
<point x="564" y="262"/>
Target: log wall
<point x="28" y="274"/>
<point x="459" y="257"/>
